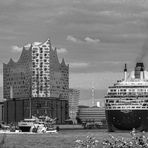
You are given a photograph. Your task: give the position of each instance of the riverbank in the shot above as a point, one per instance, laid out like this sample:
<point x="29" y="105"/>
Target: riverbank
<point x="69" y="127"/>
<point x="63" y="139"/>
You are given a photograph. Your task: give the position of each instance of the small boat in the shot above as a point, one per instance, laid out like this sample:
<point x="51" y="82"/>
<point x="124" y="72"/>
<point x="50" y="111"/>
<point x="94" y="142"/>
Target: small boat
<point x="43" y="124"/>
<point x="26" y="124"/>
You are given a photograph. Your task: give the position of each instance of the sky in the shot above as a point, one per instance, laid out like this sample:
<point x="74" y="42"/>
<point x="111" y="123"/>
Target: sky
<point x="95" y="37"/>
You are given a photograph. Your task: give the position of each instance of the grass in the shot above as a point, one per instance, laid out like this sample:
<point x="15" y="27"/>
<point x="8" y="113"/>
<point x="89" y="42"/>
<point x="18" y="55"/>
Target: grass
<point x="64" y="139"/>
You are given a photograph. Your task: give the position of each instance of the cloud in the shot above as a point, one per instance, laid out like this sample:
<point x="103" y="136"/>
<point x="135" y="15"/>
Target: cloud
<point x="16" y="48"/>
<point x="7" y="2"/>
<point x="27" y="45"/>
<point x="101" y="80"/>
<point x="78" y="65"/>
<point x="133" y="35"/>
<point x="115" y="62"/>
<point x="86" y="40"/>
<point x="91" y="40"/>
<point x="37" y="43"/>
<point x="73" y="39"/>
<point x="34" y="43"/>
<point x="116" y="14"/>
<point x="62" y="50"/>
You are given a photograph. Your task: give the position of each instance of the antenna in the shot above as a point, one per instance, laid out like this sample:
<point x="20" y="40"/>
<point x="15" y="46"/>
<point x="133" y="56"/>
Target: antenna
<point x="93" y="94"/>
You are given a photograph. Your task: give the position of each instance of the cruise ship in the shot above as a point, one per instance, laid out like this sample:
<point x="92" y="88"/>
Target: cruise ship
<point x="126" y="102"/>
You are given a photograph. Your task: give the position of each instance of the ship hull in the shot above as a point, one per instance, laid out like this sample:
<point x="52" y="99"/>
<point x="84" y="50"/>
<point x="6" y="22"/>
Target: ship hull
<point x="25" y="128"/>
<point x="127" y="120"/>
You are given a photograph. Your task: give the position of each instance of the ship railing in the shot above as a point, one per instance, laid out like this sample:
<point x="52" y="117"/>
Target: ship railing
<point x="127" y="108"/>
<point x="117" y="100"/>
<point x="133" y="107"/>
<point x="135" y="94"/>
<point x="128" y="103"/>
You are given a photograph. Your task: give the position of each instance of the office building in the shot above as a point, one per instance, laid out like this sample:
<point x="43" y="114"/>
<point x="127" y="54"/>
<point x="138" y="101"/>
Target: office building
<point x="74" y="96"/>
<point x="91" y="114"/>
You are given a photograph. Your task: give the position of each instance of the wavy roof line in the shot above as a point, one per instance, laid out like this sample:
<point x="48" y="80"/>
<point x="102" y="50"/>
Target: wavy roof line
<point x="27" y="52"/>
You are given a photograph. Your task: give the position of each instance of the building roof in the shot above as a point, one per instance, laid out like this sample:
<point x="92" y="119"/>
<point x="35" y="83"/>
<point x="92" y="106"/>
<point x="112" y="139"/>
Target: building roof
<point x="27" y="52"/>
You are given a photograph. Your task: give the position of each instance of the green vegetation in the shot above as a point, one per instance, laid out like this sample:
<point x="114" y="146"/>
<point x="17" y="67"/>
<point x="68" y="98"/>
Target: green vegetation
<point x="74" y="139"/>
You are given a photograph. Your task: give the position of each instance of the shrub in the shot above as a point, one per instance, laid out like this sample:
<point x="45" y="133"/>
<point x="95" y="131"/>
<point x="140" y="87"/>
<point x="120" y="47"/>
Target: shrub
<point x="89" y="142"/>
<point x="136" y="141"/>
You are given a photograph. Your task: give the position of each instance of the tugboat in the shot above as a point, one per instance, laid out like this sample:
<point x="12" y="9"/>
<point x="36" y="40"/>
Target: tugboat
<point x="126" y="102"/>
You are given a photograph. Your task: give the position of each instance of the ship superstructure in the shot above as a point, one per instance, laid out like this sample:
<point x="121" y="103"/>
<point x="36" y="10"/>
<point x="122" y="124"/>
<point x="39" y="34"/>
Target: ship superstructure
<point x="126" y="101"/>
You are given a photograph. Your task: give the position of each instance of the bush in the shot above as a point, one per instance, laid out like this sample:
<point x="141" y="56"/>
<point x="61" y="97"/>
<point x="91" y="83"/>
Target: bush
<point x="136" y="141"/>
<point x="89" y="142"/>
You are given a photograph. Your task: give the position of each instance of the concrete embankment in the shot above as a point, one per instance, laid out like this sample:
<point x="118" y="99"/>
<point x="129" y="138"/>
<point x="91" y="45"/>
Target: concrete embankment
<point x="69" y="127"/>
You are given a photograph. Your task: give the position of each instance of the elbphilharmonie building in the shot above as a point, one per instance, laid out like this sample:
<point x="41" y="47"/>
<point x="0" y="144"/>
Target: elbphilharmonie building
<point x="37" y="75"/>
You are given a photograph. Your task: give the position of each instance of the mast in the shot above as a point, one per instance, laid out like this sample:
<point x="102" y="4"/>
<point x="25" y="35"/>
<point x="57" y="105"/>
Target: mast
<point x="30" y="111"/>
<point x="93" y="95"/>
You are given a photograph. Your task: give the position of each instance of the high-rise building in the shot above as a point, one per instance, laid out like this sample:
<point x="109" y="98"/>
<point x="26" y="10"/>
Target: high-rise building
<point x="74" y="96"/>
<point x="37" y="84"/>
<point x="37" y="73"/>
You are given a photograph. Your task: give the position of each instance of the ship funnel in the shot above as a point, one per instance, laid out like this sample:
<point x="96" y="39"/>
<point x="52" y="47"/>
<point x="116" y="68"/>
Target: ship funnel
<point x="138" y="72"/>
<point x="125" y="73"/>
<point x="141" y="74"/>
